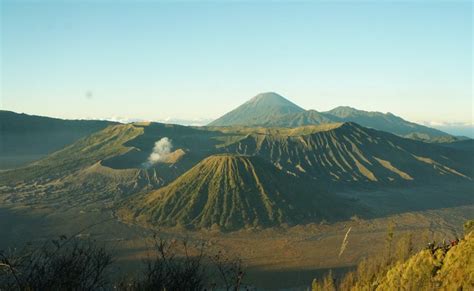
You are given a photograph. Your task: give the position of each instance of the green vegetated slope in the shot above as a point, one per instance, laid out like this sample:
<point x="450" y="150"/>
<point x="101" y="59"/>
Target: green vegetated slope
<point x="232" y="191"/>
<point x="451" y="270"/>
<point x="24" y="138"/>
<point x="273" y="110"/>
<point x="438" y="267"/>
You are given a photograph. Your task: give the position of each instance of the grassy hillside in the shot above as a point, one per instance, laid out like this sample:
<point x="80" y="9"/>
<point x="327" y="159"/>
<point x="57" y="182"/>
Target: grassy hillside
<point x="443" y="270"/>
<point x="24" y="138"/>
<point x="228" y="191"/>
<point x="399" y="267"/>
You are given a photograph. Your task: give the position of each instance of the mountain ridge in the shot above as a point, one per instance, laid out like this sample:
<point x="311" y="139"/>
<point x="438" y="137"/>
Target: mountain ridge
<point x="108" y="166"/>
<point x="348" y="153"/>
<point x="19" y="131"/>
<point x="275" y="117"/>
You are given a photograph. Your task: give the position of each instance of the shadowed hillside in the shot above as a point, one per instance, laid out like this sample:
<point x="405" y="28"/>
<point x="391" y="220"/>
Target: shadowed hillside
<point x="24" y="138"/>
<point x="463" y="145"/>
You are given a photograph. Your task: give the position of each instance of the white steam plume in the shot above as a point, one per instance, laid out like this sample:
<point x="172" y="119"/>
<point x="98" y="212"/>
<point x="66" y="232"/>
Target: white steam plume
<point x="160" y="153"/>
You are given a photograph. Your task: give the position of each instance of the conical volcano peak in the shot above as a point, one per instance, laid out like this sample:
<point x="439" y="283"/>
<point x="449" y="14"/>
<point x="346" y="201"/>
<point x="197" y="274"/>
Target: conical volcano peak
<point x="273" y="99"/>
<point x="234" y="191"/>
<point x="270" y="109"/>
<point x="259" y="110"/>
<point x="225" y="158"/>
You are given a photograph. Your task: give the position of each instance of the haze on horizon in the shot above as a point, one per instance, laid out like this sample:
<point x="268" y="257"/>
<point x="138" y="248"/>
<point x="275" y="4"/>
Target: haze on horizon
<point x="198" y="60"/>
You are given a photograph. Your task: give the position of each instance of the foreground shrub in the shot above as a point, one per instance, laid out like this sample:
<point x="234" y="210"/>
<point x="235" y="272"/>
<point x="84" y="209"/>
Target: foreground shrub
<point x="63" y="264"/>
<point x="180" y="265"/>
<point x="438" y="267"/>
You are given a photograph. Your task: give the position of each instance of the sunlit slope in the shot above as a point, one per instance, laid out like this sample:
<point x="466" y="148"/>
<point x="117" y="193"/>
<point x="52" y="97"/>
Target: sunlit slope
<point x="85" y="152"/>
<point x="236" y="191"/>
<point x="124" y="146"/>
<point x="109" y="164"/>
<point x="349" y="153"/>
<point x="77" y="173"/>
<point x="451" y="270"/>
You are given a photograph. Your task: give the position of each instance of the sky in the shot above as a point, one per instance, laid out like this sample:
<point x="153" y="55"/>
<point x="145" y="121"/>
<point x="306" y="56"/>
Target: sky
<point x="196" y="60"/>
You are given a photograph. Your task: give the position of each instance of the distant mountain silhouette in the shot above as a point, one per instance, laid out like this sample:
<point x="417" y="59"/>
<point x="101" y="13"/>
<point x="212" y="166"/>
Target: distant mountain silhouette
<point x="273" y="110"/>
<point x="385" y="121"/>
<point x="258" y="110"/>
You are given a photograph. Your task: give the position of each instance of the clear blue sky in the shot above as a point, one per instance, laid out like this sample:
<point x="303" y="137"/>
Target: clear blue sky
<point x="152" y="59"/>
